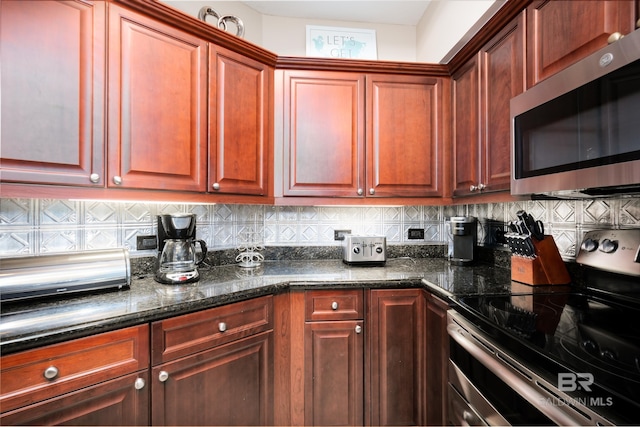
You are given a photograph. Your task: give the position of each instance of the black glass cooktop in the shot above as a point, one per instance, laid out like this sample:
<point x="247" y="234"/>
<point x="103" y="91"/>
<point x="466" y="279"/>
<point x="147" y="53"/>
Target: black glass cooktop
<point x="589" y="339"/>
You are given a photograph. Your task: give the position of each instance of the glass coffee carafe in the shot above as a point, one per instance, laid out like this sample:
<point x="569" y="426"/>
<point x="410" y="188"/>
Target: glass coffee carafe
<point x="179" y="260"/>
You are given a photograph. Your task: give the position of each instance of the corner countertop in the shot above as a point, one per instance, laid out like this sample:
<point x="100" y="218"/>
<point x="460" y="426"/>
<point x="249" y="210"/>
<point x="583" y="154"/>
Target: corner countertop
<point x="31" y="324"/>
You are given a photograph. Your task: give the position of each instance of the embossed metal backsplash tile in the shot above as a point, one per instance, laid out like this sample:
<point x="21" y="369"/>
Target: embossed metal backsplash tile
<point x="30" y="226"/>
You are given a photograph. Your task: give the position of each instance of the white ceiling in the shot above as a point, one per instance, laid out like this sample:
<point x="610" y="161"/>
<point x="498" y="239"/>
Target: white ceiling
<point x="377" y="11"/>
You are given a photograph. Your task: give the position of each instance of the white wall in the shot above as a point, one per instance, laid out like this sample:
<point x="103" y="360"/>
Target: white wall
<point x="442" y="26"/>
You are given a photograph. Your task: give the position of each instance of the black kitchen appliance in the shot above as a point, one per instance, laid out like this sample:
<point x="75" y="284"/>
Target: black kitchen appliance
<point x="463" y="239"/>
<point x="177" y="256"/>
<point x="554" y="354"/>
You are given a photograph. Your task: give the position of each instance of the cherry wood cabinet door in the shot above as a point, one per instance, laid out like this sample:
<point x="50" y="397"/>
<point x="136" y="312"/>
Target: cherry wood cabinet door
<point x="466" y="132"/>
<point x="120" y="402"/>
<point x="239" y="105"/>
<point x="561" y="32"/>
<point x="502" y="77"/>
<point x="398" y="358"/>
<point x="52" y="83"/>
<point x="334" y="369"/>
<point x="227" y="385"/>
<point x="157" y="130"/>
<point x="437" y="360"/>
<point x="324" y="133"/>
<point x="403" y="134"/>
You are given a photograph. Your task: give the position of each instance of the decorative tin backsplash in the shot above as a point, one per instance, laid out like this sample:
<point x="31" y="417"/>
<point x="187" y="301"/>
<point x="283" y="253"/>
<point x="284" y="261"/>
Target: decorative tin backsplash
<point x="38" y="226"/>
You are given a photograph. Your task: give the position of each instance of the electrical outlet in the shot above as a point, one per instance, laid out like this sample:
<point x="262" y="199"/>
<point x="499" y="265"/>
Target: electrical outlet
<point x="144" y="243"/>
<point x="339" y="234"/>
<point x="415" y="234"/>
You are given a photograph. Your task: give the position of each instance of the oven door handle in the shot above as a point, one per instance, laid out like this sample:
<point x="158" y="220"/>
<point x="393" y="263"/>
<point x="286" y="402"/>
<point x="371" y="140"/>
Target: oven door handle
<point x="512" y="373"/>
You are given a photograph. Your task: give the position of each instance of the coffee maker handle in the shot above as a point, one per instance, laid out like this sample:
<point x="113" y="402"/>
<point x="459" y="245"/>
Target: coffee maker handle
<point x="203" y="251"/>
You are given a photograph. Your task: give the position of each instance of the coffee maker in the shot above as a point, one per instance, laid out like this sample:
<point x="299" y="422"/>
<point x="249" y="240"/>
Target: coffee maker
<point x="177" y="256"/>
<point x="464" y="236"/>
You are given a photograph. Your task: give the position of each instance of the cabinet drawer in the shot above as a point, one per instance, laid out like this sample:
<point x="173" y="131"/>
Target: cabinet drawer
<point x="191" y="333"/>
<point x="334" y="305"/>
<point x="42" y="373"/>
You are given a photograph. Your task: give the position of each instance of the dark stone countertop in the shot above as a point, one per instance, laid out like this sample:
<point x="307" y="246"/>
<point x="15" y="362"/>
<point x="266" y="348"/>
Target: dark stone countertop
<point x="31" y="324"/>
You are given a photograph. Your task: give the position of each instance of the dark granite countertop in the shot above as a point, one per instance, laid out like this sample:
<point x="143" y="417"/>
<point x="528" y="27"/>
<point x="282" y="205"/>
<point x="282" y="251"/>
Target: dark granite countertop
<point x="25" y="325"/>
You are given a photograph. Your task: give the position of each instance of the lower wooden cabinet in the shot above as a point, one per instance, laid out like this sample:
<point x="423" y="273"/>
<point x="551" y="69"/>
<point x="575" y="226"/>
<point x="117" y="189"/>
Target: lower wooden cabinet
<point x="437" y="355"/>
<point x="397" y="354"/>
<point x="214" y="367"/>
<point x="367" y="364"/>
<point x="97" y="380"/>
<point x="224" y="386"/>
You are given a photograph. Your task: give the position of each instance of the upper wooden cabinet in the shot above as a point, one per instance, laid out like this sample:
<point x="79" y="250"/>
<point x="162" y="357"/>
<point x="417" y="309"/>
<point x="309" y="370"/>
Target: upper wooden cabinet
<point x="157" y="132"/>
<point x="240" y="123"/>
<point x="482" y="91"/>
<point x="561" y="32"/>
<point x="350" y="134"/>
<point x="52" y="83"/>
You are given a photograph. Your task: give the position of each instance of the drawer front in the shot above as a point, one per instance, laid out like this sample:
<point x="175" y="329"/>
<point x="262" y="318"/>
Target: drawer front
<point x="35" y="375"/>
<point x="191" y="333"/>
<point x="334" y="304"/>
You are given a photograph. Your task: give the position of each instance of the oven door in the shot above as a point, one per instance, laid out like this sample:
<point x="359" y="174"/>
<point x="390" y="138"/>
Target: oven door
<point x="497" y="390"/>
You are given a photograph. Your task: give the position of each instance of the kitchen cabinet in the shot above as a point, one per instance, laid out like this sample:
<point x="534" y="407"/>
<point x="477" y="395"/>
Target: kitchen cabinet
<point x="437" y="355"/>
<point x="240" y="97"/>
<point x="482" y="91"/>
<point x="559" y="33"/>
<point x="157" y="109"/>
<point x="97" y="380"/>
<point x="396" y="320"/>
<point x="334" y="362"/>
<point x="363" y="357"/>
<point x="52" y="82"/>
<point x="214" y="367"/>
<point x="352" y="134"/>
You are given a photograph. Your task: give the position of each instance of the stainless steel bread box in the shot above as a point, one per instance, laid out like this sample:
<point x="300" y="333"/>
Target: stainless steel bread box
<point x="364" y="250"/>
<point x="45" y="275"/>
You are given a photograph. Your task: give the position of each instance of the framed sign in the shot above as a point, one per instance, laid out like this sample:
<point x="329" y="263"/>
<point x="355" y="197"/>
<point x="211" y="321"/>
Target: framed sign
<point x="335" y="42"/>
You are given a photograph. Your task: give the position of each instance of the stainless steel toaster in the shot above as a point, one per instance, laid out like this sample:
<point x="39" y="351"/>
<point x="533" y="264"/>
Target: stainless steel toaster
<point x="365" y="250"/>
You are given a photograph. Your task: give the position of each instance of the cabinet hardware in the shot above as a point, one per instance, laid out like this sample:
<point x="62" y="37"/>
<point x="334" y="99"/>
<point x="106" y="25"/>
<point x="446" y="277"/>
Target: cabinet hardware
<point x="94" y="177"/>
<point x="216" y="186"/>
<point x="117" y="180"/>
<point x="372" y="191"/>
<point x="360" y="191"/>
<point x="222" y="326"/>
<point x="51" y="373"/>
<point x="334" y="305"/>
<point x="139" y="384"/>
<point x="614" y="37"/>
<point x="358" y="329"/>
<point x="163" y="376"/>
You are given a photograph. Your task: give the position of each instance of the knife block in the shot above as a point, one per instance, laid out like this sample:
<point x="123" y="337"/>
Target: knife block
<point x="547" y="268"/>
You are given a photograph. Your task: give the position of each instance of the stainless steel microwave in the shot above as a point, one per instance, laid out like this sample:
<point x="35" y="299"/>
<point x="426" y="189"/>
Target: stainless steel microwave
<point x="577" y="133"/>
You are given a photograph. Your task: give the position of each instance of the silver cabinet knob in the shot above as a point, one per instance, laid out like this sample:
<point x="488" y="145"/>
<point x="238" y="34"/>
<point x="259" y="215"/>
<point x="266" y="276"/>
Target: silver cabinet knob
<point x="51" y="373"/>
<point x="117" y="180"/>
<point x="481" y="186"/>
<point x="473" y="188"/>
<point x="334" y="305"/>
<point x="358" y="329"/>
<point x="638" y="23"/>
<point x="372" y="191"/>
<point x="94" y="177"/>
<point x="222" y="326"/>
<point x="139" y="384"/>
<point x="614" y="37"/>
<point x="360" y="191"/>
<point x="163" y="376"/>
<point x="216" y="186"/>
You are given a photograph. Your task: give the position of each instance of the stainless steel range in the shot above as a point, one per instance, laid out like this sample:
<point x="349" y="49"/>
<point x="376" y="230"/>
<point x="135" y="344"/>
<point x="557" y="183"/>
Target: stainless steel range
<point x="564" y="355"/>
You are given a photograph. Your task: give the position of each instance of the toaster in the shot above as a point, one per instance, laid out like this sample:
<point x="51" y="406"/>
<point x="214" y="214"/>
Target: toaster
<point x="364" y="250"/>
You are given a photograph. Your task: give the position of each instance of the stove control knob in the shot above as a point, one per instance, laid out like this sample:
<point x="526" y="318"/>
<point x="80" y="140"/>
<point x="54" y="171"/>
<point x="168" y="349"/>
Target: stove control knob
<point x="590" y="346"/>
<point x="589" y="245"/>
<point x="609" y="355"/>
<point x="609" y="246"/>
